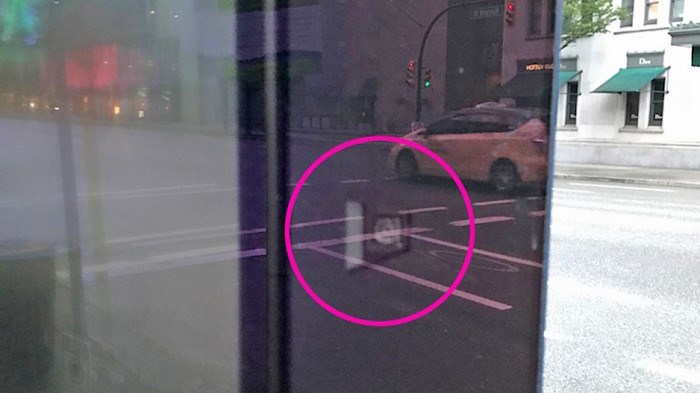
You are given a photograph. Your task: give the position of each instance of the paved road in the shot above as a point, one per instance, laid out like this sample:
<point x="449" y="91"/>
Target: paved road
<point x="173" y="240"/>
<point x="624" y="289"/>
<point x="173" y="243"/>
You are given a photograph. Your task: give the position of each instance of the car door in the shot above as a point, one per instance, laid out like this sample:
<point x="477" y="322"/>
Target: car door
<point x="438" y="138"/>
<point x="473" y="149"/>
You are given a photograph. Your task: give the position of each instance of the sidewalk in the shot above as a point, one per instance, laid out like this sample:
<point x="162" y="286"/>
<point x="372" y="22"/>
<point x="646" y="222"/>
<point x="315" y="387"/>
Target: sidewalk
<point x="633" y="175"/>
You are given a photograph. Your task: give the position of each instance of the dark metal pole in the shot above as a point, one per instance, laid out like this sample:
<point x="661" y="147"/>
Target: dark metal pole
<point x="276" y="111"/>
<point x="419" y="79"/>
<point x="56" y="50"/>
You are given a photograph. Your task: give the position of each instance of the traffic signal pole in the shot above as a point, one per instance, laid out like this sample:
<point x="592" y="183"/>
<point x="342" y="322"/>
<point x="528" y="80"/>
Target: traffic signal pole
<point x="419" y="76"/>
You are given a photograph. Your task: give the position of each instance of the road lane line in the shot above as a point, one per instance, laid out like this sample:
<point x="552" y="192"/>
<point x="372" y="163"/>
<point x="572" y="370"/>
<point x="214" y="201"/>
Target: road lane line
<point x="538" y="213"/>
<point x="463" y="247"/>
<point x="415" y="280"/>
<point x="572" y="190"/>
<point x="670" y="370"/>
<point x="496" y="202"/>
<point x="231" y="228"/>
<point x="220" y="253"/>
<point x="357" y="238"/>
<point x="355" y="181"/>
<point x="482" y="220"/>
<point x="148" y="190"/>
<point x="622" y="187"/>
<point x="423" y="210"/>
<point x="160" y="263"/>
<point x="324" y="222"/>
<point x="247" y="231"/>
<point x="167" y="194"/>
<point x="114" y="196"/>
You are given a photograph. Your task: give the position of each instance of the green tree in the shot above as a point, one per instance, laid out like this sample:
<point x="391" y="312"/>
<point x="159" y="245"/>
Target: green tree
<point x="584" y="18"/>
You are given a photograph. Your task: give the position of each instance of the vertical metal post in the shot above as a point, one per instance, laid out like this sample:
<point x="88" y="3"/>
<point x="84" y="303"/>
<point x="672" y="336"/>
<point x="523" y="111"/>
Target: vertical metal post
<point x="276" y="111"/>
<point x="56" y="50"/>
<point x="419" y="73"/>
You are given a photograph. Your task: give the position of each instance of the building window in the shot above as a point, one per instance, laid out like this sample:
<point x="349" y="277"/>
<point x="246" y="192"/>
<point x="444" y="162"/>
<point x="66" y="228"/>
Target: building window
<point x="651" y="12"/>
<point x="677" y="7"/>
<point x="632" y="112"/>
<point x="534" y="24"/>
<point x="628" y="6"/>
<point x="656" y="110"/>
<point x="571" y="102"/>
<point x="552" y="21"/>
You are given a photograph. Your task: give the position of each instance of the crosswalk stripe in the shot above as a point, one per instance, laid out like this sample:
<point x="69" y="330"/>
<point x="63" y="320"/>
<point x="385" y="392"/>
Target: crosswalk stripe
<point x="482" y="220"/>
<point x="416" y="280"/>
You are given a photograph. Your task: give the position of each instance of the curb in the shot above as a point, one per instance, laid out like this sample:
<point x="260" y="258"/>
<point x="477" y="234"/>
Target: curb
<point x="641" y="181"/>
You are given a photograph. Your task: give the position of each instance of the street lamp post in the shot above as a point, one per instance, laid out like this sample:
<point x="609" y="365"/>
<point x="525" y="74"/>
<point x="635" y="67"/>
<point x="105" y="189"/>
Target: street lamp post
<point x="419" y="74"/>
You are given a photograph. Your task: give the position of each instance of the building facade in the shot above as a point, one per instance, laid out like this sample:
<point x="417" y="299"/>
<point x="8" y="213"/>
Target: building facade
<point x="628" y="97"/>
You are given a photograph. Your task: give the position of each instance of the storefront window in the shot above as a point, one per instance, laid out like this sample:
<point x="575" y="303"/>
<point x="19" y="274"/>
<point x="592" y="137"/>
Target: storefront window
<point x="677" y="7"/>
<point x="658" y="92"/>
<point x="632" y="112"/>
<point x="651" y="14"/>
<point x="571" y="102"/>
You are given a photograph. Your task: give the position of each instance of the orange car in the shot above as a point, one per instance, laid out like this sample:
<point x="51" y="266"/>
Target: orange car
<point x="504" y="146"/>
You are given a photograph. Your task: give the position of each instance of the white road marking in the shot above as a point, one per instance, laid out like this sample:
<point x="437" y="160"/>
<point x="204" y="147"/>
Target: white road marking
<point x="538" y="213"/>
<point x="622" y="187"/>
<point x="357" y="238"/>
<point x="481" y="220"/>
<point x="172" y="233"/>
<point x="423" y="210"/>
<point x="670" y="370"/>
<point x="534" y="198"/>
<point x="228" y="230"/>
<point x="116" y="195"/>
<point x="213" y="254"/>
<point x="149" y="190"/>
<point x="415" y="280"/>
<point x="496" y="202"/>
<point x="176" y="193"/>
<point x="163" y="262"/>
<point x="355" y="181"/>
<point x="329" y="221"/>
<point x="572" y="190"/>
<point x="463" y="247"/>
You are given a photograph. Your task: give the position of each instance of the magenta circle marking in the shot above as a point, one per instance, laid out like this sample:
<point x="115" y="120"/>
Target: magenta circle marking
<point x="288" y="232"/>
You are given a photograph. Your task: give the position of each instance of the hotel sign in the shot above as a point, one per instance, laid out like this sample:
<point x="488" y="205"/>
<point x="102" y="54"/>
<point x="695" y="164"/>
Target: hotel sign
<point x="530" y="66"/>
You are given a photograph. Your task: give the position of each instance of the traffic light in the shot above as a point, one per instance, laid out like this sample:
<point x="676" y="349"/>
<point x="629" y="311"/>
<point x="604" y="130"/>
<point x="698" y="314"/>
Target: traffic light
<point x="411" y="73"/>
<point x="427" y="77"/>
<point x="510" y="14"/>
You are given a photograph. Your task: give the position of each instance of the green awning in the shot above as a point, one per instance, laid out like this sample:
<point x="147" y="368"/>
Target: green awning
<point x="566" y="76"/>
<point x="630" y="79"/>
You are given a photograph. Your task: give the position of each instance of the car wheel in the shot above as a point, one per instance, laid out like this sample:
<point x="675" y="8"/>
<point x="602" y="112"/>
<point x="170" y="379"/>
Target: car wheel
<point x="406" y="165"/>
<point x="504" y="176"/>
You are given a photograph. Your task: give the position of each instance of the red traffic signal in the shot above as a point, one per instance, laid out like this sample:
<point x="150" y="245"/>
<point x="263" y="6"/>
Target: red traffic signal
<point x="510" y="14"/>
<point x="411" y="73"/>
